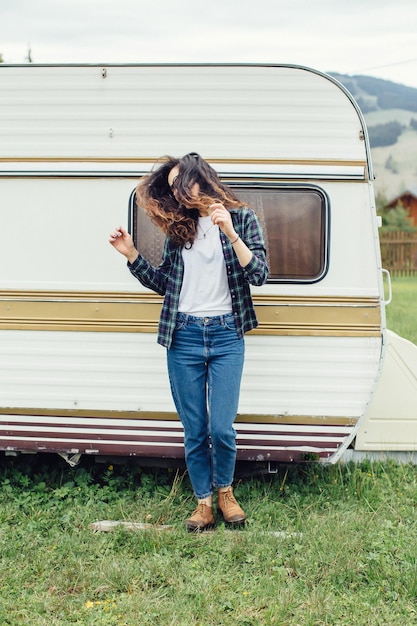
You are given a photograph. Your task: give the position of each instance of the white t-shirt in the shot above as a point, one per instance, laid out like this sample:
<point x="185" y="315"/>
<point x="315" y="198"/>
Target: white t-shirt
<point x="205" y="290"/>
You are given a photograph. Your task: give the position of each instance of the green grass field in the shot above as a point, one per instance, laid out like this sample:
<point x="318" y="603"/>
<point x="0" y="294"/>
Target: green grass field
<point x="323" y="545"/>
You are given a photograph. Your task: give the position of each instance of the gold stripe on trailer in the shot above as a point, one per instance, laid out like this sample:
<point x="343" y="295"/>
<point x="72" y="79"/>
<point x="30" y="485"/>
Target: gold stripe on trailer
<point x="154" y="159"/>
<point x="349" y="170"/>
<point x="139" y="313"/>
<point x="163" y="416"/>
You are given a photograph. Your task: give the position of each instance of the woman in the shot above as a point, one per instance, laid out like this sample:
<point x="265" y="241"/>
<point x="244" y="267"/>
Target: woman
<point x="213" y="251"/>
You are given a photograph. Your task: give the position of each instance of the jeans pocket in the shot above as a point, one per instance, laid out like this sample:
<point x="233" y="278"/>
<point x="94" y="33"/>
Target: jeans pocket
<point x="180" y="324"/>
<point x="229" y="322"/>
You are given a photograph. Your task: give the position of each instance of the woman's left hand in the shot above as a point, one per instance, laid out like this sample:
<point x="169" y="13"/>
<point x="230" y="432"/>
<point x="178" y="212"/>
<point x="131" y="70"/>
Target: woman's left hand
<point x="222" y="218"/>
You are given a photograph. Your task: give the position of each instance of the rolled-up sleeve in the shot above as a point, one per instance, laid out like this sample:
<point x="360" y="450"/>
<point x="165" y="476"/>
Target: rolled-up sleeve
<point x="256" y="271"/>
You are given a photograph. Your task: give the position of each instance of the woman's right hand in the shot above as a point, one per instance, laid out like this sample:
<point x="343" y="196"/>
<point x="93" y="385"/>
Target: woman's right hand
<point x="123" y="243"/>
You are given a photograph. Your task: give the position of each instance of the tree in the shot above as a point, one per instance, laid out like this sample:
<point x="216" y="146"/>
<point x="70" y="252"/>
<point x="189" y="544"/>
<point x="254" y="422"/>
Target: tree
<point x="396" y="218"/>
<point x="381" y="202"/>
<point x="385" y="134"/>
<point x="391" y="164"/>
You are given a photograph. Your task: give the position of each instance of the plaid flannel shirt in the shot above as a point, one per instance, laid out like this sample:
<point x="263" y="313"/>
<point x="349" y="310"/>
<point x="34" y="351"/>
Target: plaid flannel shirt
<point x="166" y="279"/>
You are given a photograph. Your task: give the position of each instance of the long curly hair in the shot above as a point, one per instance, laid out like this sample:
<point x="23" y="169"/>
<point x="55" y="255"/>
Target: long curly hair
<point x="177" y="215"/>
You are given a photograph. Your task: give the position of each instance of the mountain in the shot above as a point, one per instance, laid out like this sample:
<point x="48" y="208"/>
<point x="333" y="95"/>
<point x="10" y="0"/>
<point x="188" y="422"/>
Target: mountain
<point x="390" y="111"/>
<point x="374" y="94"/>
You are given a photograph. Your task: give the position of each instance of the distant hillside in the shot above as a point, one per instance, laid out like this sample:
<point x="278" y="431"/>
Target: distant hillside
<point x="390" y="111"/>
<point x="374" y="94"/>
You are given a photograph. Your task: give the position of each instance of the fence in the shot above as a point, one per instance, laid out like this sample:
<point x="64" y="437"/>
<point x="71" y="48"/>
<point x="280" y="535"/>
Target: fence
<point x="399" y="252"/>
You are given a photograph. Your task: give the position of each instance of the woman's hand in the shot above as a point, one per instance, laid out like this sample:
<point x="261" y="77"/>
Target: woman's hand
<point x="122" y="241"/>
<point x="222" y="218"/>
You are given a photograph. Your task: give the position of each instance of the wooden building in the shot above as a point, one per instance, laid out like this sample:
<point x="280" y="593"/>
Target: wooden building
<point x="408" y="199"/>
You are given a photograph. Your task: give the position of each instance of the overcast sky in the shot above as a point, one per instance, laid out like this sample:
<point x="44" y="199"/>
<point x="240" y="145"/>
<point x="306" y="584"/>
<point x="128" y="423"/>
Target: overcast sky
<point x="373" y="37"/>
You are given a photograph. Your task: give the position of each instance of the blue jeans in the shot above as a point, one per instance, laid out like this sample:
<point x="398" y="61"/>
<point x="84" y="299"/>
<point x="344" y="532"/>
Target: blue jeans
<point x="205" y="363"/>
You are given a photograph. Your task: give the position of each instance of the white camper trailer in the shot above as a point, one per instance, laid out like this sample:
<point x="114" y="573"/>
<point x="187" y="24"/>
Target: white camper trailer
<point x="81" y="372"/>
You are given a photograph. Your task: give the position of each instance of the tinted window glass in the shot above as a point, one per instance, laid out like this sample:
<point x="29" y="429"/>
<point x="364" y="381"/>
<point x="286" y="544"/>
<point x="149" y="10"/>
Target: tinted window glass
<point x="295" y="228"/>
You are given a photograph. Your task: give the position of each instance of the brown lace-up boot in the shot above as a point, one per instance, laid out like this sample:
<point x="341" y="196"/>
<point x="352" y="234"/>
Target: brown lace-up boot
<point x="201" y="519"/>
<point x="231" y="511"/>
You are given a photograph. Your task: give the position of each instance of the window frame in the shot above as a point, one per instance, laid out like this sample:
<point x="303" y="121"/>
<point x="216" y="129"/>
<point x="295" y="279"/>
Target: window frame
<point x="253" y="186"/>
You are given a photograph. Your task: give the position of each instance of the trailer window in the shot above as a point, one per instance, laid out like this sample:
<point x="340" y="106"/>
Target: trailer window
<point x="295" y="223"/>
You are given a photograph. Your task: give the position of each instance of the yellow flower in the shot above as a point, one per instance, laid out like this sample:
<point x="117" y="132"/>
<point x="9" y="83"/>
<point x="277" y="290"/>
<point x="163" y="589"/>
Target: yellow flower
<point x="89" y="604"/>
<point x="110" y="468"/>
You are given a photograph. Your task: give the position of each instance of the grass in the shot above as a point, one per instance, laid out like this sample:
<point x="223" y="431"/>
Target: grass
<point x="401" y="312"/>
<point x="323" y="545"/>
